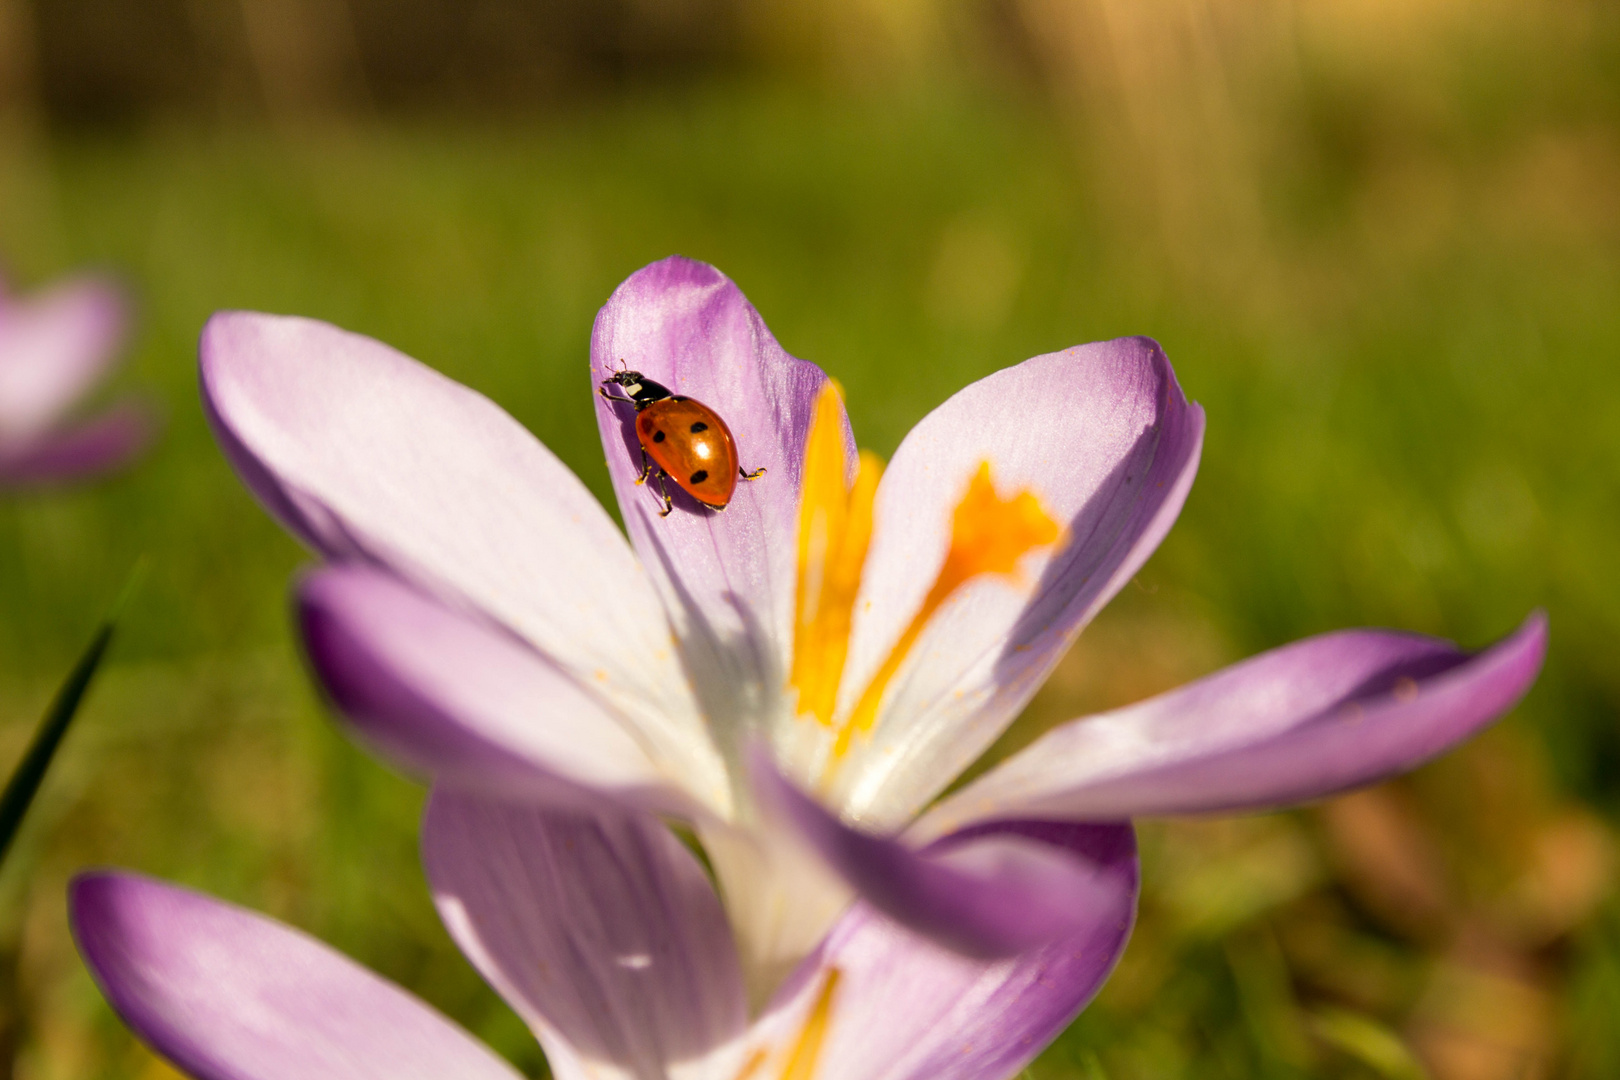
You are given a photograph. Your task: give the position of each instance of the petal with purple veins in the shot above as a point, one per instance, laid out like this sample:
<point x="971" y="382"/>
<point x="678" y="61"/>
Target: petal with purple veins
<point x="227" y="994"/>
<point x="727" y="578"/>
<point x="601" y="929"/>
<point x="1301" y="722"/>
<point x="448" y="695"/>
<point x="368" y="455"/>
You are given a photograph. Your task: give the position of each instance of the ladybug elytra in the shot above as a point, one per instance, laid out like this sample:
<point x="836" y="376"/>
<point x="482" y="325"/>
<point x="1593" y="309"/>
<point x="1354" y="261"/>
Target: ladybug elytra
<point x="681" y="439"/>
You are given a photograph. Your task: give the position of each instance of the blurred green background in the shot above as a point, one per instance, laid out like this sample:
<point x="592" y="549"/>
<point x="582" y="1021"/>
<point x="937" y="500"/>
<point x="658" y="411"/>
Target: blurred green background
<point x="1380" y="240"/>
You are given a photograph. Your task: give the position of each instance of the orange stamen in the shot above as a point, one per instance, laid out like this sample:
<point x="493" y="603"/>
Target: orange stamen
<point x="801" y="1062"/>
<point x="835" y="528"/>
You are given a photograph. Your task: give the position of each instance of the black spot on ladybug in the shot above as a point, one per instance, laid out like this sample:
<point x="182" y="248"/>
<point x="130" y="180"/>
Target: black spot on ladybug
<point x="658" y="436"/>
<point x="699" y="476"/>
<point x="699" y="426"/>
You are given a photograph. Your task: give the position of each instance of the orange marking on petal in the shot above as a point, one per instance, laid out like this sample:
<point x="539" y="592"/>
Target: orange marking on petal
<point x="989" y="535"/>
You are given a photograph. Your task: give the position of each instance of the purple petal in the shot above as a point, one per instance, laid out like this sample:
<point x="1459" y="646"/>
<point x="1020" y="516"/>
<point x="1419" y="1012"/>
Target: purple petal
<point x="727" y="579"/>
<point x="445" y="694"/>
<point x="1297" y="723"/>
<point x="54" y="347"/>
<point x="88" y="448"/>
<point x="990" y="894"/>
<point x="601" y="930"/>
<point x="905" y="1009"/>
<point x="369" y="455"/>
<point x="227" y="994"/>
<point x="1104" y="436"/>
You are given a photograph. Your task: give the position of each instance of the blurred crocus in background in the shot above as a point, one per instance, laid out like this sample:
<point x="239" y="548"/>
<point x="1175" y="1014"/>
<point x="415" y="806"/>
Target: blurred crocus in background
<point x="797" y="680"/>
<point x="57" y="346"/>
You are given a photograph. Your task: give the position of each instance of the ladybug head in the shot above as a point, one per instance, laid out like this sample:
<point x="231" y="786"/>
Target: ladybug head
<point x="641" y="390"/>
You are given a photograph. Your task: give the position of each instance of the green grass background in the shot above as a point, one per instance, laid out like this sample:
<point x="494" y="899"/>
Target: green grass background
<point x="1408" y="360"/>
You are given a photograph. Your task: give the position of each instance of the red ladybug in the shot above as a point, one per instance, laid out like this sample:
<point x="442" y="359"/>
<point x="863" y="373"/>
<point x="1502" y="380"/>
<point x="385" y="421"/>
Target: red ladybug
<point x="684" y="439"/>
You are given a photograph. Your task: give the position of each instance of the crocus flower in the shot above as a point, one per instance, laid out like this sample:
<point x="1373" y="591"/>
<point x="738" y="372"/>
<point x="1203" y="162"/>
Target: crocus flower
<point x="798" y="678"/>
<point x="56" y="347"/>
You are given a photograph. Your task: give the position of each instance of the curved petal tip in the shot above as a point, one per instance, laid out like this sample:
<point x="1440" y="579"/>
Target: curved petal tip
<point x="985" y="893"/>
<point x="227" y="994"/>
<point x="1298" y="723"/>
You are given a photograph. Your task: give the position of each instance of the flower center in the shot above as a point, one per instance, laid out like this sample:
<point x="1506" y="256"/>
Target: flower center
<point x="989" y="535"/>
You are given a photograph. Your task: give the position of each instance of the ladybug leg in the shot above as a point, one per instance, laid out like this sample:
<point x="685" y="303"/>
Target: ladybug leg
<point x="646" y="466"/>
<point x="611" y="397"/>
<point x="746" y="475"/>
<point x="669" y="504"/>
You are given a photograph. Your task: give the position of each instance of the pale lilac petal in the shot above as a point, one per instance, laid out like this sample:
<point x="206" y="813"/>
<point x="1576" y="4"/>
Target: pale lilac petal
<point x="1301" y="722"/>
<point x="602" y="930"/>
<point x="1104" y="436"/>
<point x="227" y="994"/>
<point x="906" y="1009"/>
<point x="369" y="455"/>
<point x="55" y="346"/>
<point x="87" y="448"/>
<point x="727" y="579"/>
<point x="993" y="894"/>
<point x="445" y="694"/>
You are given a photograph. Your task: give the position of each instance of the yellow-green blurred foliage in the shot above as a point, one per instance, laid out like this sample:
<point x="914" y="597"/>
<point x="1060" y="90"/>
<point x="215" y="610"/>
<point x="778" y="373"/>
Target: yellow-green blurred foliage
<point x="1380" y="240"/>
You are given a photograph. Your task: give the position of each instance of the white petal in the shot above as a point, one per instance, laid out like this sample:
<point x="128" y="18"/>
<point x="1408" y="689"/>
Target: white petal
<point x="1104" y="436"/>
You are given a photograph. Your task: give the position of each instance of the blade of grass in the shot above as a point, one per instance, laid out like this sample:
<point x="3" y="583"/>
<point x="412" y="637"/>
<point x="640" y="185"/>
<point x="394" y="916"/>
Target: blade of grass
<point x="30" y="772"/>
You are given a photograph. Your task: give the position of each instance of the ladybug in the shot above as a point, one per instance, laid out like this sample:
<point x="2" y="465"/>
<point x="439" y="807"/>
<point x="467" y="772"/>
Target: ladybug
<point x="684" y="440"/>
